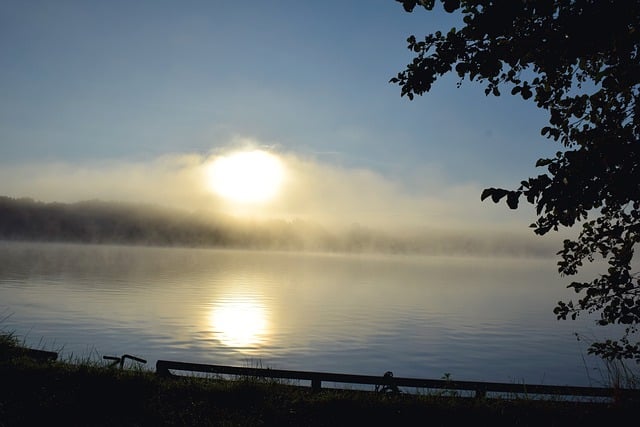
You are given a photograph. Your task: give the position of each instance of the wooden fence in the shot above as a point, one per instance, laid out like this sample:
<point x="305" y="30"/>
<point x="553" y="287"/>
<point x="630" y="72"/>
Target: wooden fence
<point x="390" y="383"/>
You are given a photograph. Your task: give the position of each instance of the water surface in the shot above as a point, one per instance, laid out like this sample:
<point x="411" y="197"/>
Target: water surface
<point x="475" y="318"/>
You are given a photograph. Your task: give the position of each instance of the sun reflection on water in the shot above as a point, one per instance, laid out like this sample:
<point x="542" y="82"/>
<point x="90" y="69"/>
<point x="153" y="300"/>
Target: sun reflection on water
<point x="240" y="322"/>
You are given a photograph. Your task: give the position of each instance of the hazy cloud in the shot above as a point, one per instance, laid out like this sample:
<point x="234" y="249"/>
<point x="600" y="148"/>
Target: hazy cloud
<point x="312" y="190"/>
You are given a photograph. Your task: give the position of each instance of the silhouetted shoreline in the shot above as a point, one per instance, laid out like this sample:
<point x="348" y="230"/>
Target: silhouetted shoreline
<point x="39" y="391"/>
<point x="100" y="222"/>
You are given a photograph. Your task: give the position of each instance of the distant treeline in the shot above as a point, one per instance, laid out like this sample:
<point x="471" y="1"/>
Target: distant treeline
<point x="101" y="222"/>
<point x="125" y="223"/>
<point x="90" y="222"/>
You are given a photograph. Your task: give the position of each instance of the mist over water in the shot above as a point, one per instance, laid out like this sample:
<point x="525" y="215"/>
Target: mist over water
<point x="102" y="222"/>
<point x="477" y="318"/>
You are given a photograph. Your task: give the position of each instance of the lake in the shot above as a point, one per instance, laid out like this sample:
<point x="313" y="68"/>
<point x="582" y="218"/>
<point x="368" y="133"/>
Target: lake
<point x="479" y="319"/>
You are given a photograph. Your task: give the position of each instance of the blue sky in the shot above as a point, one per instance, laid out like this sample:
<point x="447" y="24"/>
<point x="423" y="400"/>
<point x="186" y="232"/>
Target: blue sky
<point x="88" y="83"/>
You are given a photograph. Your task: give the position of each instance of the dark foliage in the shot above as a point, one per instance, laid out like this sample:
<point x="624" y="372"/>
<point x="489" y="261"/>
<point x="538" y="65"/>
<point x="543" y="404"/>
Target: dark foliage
<point x="103" y="222"/>
<point x="580" y="61"/>
<point x="100" y="222"/>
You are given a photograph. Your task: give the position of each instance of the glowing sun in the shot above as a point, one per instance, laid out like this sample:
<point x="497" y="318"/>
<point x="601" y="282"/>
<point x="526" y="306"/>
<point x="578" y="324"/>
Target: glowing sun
<point x="246" y="176"/>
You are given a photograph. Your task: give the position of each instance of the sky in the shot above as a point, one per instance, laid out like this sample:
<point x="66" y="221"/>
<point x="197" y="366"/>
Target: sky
<point x="130" y="100"/>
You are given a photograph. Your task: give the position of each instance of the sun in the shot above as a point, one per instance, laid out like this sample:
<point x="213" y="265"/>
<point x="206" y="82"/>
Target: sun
<point x="246" y="176"/>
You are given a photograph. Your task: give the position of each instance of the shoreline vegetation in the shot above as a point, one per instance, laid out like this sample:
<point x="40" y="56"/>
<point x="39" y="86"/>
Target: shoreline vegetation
<point x="100" y="222"/>
<point x="41" y="391"/>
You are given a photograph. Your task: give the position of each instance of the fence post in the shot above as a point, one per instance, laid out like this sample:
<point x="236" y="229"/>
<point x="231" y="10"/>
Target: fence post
<point x="316" y="384"/>
<point x="162" y="369"/>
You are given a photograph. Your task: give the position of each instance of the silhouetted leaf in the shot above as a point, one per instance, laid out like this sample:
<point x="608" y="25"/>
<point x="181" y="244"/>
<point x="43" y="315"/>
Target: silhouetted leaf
<point x="451" y="5"/>
<point x="495" y="193"/>
<point x="512" y="199"/>
<point x="408" y="5"/>
<point x="498" y="194"/>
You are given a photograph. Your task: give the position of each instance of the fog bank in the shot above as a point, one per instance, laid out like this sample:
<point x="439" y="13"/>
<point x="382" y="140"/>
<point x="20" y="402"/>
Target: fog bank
<point x="338" y="200"/>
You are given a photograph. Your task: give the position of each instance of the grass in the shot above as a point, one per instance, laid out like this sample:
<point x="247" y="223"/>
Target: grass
<point x="88" y="393"/>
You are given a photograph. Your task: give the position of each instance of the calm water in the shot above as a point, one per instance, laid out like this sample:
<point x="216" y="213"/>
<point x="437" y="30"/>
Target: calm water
<point x="477" y="319"/>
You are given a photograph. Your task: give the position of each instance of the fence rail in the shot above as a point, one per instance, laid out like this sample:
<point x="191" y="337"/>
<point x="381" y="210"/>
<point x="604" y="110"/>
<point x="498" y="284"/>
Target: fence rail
<point x="389" y="382"/>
